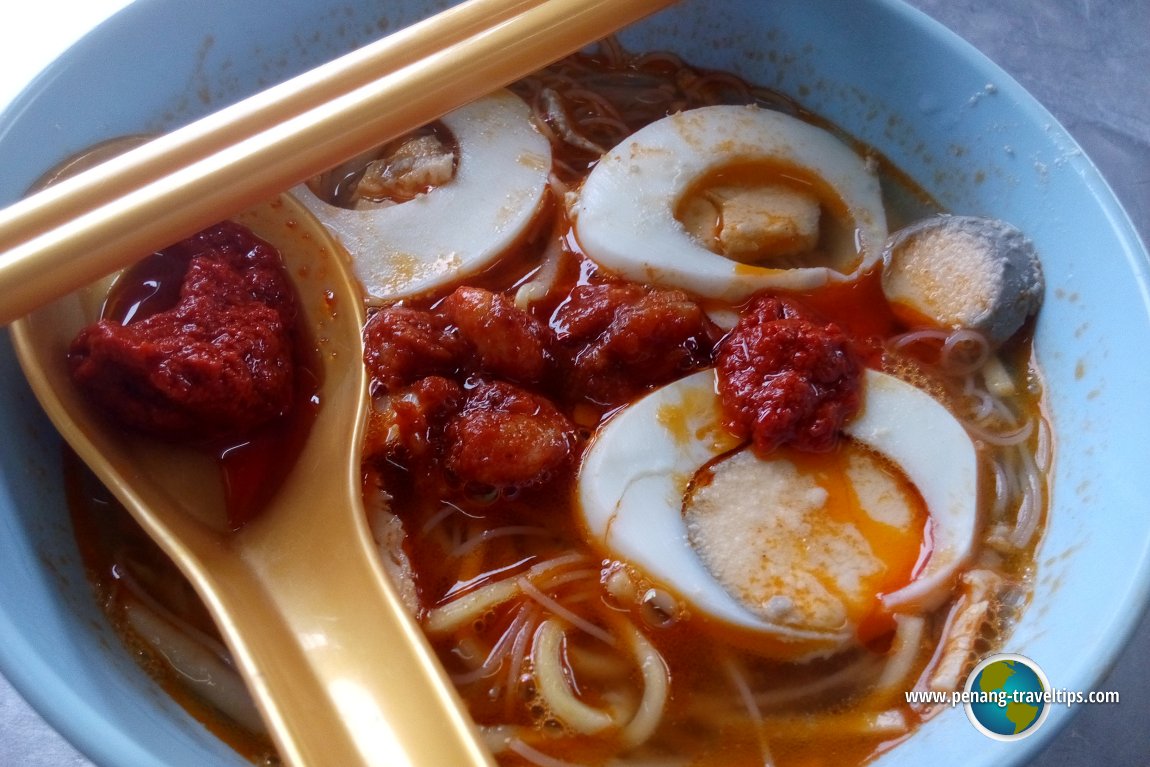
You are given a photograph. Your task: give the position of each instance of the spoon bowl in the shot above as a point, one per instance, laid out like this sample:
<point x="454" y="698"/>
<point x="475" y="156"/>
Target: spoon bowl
<point x="337" y="666"/>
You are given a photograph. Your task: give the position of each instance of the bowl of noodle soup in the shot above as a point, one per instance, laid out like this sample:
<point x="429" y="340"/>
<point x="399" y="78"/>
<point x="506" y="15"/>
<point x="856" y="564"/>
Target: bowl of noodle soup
<point x="958" y="136"/>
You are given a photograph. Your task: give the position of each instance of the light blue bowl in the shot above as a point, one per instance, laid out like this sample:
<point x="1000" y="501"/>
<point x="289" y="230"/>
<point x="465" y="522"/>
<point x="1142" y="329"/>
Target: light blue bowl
<point x="953" y="121"/>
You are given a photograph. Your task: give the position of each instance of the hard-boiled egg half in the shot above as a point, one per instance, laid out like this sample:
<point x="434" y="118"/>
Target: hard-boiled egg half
<point x="800" y="554"/>
<point x="493" y="190"/>
<point x="963" y="272"/>
<point x="726" y="201"/>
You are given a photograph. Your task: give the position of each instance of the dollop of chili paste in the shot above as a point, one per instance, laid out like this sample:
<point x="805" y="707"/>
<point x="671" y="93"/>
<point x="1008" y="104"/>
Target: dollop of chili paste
<point x="197" y="342"/>
<point x="785" y="378"/>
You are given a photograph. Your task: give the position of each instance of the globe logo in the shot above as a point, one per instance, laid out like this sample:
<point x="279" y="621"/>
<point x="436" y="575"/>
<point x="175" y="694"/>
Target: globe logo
<point x="1007" y="697"/>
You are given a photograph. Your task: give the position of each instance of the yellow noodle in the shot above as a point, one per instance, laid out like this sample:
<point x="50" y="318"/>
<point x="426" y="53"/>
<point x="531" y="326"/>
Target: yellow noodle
<point x="656" y="682"/>
<point x="551" y="683"/>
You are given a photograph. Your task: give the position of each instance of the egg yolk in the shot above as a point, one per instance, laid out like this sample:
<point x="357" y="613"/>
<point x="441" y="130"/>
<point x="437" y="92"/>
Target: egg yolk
<point x="767" y="214"/>
<point x="811" y="541"/>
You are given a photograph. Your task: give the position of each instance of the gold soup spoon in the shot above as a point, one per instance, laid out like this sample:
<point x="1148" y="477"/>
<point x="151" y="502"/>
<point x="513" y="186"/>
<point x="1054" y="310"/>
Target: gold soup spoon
<point x="338" y="667"/>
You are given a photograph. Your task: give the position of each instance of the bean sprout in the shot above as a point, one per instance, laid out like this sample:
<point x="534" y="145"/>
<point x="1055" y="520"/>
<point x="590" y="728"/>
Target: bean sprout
<point x="559" y="610"/>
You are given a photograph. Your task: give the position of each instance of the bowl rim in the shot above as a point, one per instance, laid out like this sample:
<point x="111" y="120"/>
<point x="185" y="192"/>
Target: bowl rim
<point x="27" y="669"/>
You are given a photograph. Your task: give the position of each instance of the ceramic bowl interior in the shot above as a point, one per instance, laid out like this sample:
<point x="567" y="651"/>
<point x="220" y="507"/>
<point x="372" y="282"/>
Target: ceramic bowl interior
<point x="954" y="123"/>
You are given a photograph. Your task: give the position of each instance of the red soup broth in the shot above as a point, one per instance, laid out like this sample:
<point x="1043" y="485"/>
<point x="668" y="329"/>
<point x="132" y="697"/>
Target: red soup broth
<point x="563" y="654"/>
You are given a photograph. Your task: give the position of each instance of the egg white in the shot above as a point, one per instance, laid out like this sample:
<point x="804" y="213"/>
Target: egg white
<point x="625" y="214"/>
<point x="461" y="227"/>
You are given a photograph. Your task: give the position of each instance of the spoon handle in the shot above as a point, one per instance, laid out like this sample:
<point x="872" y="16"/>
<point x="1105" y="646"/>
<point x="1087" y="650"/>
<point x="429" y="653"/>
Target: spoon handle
<point x="387" y="702"/>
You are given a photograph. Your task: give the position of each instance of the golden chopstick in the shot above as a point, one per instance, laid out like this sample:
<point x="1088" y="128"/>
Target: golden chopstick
<point x="59" y="240"/>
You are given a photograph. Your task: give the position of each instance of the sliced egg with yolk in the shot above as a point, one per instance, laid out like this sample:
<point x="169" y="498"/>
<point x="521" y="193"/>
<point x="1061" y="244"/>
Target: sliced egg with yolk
<point x="726" y="201"/>
<point x="797" y="555"/>
<point x="458" y="228"/>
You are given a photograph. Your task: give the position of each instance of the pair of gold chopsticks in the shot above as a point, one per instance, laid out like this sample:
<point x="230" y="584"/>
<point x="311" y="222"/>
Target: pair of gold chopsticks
<point x="94" y="223"/>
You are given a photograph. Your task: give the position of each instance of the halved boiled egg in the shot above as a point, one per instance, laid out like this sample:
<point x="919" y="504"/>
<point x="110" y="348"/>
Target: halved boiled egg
<point x="963" y="272"/>
<point x="494" y="187"/>
<point x="807" y="552"/>
<point x="726" y="201"/>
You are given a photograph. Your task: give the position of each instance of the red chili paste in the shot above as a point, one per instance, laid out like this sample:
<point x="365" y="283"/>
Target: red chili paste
<point x="197" y="342"/>
<point x="786" y="379"/>
<point x="200" y="344"/>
